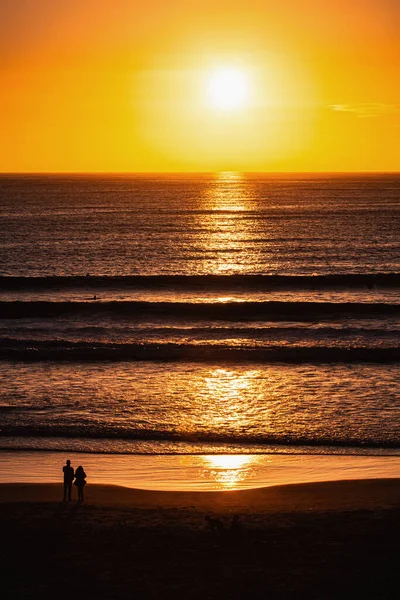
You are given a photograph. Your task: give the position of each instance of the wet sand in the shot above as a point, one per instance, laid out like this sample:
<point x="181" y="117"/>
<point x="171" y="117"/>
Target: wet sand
<point x="317" y="540"/>
<point x="200" y="473"/>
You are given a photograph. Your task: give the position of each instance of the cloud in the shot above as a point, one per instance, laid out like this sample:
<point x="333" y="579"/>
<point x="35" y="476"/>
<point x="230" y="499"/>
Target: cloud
<point x="367" y="109"/>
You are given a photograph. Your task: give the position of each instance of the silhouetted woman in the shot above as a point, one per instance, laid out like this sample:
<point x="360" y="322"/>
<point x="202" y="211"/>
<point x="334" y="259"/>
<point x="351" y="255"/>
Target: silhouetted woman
<point x="80" y="482"/>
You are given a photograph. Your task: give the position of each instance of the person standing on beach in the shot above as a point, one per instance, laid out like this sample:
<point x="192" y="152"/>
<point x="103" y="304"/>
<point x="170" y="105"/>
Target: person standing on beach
<point x="80" y="482"/>
<point x="68" y="479"/>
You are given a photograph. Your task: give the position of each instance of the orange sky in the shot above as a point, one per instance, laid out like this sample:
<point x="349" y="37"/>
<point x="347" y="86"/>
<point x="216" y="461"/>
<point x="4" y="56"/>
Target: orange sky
<point x="118" y="85"/>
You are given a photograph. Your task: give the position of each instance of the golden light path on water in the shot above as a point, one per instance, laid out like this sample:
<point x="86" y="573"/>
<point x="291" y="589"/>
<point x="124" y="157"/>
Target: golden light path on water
<point x="229" y="194"/>
<point x="227" y="400"/>
<point x="229" y="470"/>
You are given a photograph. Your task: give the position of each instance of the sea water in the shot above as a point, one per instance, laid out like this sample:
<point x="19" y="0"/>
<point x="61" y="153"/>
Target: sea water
<point x="197" y="314"/>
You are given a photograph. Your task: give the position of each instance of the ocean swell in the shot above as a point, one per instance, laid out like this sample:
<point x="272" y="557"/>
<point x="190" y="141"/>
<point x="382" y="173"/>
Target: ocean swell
<point x="234" y="311"/>
<point x="211" y="437"/>
<point x="209" y="282"/>
<point x="51" y="350"/>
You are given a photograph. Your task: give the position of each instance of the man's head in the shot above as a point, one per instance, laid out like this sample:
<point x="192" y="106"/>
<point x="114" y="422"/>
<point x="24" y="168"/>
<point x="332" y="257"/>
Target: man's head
<point x="68" y="462"/>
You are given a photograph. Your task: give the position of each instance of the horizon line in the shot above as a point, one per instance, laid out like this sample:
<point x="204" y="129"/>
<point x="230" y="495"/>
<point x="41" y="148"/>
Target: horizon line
<point x="208" y="172"/>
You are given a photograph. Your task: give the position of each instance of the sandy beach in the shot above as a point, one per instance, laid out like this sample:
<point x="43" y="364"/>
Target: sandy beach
<point x="316" y="540"/>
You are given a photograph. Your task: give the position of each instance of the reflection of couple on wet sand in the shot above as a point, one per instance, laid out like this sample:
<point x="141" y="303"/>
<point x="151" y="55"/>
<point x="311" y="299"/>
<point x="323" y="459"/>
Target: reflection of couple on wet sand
<point x="69" y="476"/>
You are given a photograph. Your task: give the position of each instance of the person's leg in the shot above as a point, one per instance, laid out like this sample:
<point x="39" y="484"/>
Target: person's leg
<point x="65" y="490"/>
<point x="69" y="491"/>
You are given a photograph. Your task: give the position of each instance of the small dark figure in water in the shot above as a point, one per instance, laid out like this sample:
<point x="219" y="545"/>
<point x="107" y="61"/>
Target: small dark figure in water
<point x="68" y="479"/>
<point x="80" y="482"/>
<point x="235" y="525"/>
<point x="214" y="523"/>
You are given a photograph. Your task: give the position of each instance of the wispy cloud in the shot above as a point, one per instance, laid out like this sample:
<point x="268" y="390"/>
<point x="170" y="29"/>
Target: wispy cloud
<point x="367" y="109"/>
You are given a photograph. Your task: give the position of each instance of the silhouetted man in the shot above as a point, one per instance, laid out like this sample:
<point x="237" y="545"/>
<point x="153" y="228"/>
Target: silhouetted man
<point x="68" y="479"/>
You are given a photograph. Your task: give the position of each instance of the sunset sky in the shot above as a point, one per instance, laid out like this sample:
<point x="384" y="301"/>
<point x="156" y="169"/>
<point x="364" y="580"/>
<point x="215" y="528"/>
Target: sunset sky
<point x="136" y="86"/>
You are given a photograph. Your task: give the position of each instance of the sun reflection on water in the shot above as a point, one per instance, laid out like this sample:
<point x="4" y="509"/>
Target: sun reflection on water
<point x="229" y="192"/>
<point x="224" y="299"/>
<point x="226" y="200"/>
<point x="227" y="393"/>
<point x="229" y="470"/>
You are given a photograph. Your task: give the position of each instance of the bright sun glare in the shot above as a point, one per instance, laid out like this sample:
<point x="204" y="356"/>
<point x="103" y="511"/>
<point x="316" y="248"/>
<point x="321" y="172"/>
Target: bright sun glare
<point x="228" y="88"/>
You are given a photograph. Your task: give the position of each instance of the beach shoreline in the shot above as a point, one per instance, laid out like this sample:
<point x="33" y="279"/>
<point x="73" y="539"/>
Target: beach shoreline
<point x="203" y="472"/>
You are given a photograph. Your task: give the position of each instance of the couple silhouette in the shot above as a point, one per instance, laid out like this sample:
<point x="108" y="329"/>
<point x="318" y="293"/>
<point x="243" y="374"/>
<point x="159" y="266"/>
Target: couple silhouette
<point x="69" y="476"/>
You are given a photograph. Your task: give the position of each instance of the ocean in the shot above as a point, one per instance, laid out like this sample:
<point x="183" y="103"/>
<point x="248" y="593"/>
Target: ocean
<point x="200" y="314"/>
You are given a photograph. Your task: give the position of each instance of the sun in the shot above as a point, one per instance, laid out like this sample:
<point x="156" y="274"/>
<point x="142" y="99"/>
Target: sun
<point x="228" y="88"/>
